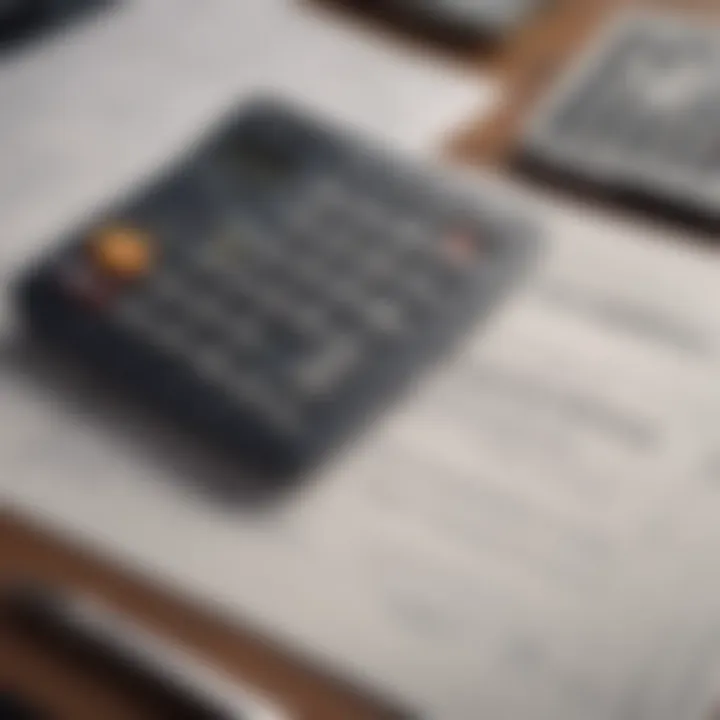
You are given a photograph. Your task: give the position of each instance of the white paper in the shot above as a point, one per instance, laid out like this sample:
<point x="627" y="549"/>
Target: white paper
<point x="532" y="536"/>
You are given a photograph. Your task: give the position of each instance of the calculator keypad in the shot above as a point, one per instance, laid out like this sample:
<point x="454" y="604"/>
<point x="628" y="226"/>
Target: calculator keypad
<point x="314" y="313"/>
<point x="303" y="306"/>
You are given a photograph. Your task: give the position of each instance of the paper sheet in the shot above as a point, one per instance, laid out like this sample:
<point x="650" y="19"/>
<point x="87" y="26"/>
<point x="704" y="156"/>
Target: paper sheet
<point x="532" y="536"/>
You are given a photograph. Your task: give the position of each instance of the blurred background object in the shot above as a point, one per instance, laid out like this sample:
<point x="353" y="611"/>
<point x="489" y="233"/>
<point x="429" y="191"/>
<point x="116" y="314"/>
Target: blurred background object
<point x="636" y="117"/>
<point x="465" y="22"/>
<point x="614" y="103"/>
<point x="23" y="20"/>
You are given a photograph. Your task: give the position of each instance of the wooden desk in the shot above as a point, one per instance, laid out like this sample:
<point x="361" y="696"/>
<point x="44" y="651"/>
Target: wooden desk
<point x="28" y="554"/>
<point x="529" y="64"/>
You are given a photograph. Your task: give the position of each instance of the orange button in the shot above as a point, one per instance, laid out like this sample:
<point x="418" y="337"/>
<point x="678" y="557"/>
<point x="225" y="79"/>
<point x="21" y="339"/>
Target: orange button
<point x="460" y="248"/>
<point x="124" y="252"/>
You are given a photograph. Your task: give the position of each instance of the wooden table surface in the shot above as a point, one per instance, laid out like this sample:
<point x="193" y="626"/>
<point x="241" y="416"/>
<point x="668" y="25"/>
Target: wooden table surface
<point x="532" y="60"/>
<point x="30" y="555"/>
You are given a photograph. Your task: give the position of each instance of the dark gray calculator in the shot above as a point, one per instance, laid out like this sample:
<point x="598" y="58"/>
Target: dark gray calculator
<point x="277" y="283"/>
<point x="639" y="115"/>
<point x="14" y="14"/>
<point x="21" y="18"/>
<point x="488" y="19"/>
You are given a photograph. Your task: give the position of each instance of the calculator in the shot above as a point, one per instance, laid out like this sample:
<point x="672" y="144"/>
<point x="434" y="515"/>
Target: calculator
<point x="20" y="18"/>
<point x="14" y="11"/>
<point x="639" y="116"/>
<point x="488" y="19"/>
<point x="278" y="283"/>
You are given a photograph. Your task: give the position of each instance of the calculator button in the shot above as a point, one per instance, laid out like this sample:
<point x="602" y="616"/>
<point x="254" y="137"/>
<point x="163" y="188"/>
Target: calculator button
<point x="123" y="252"/>
<point x="246" y="334"/>
<point x="249" y="389"/>
<point x="421" y="290"/>
<point x="277" y="303"/>
<point x="323" y="191"/>
<point x="213" y="363"/>
<point x="206" y="312"/>
<point x="460" y="249"/>
<point x="411" y="233"/>
<point x="311" y="271"/>
<point x="148" y="321"/>
<point x="279" y="412"/>
<point x="370" y="212"/>
<point x="310" y="318"/>
<point x="82" y="280"/>
<point x="170" y="288"/>
<point x="376" y="266"/>
<point x="328" y="366"/>
<point x="386" y="316"/>
<point x="171" y="336"/>
<point x="266" y="299"/>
